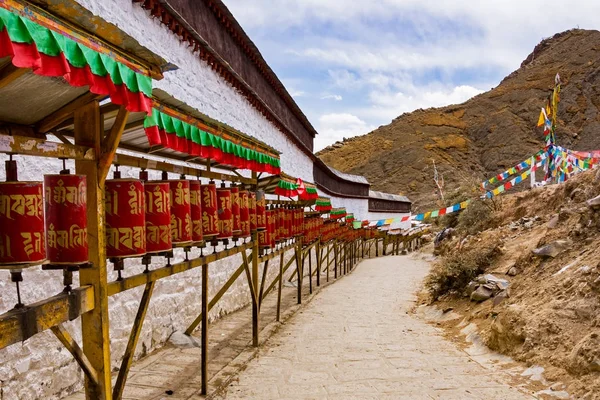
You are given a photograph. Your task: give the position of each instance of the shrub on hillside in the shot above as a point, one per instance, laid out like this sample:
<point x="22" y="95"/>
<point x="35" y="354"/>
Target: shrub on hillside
<point x="478" y="216"/>
<point x="454" y="272"/>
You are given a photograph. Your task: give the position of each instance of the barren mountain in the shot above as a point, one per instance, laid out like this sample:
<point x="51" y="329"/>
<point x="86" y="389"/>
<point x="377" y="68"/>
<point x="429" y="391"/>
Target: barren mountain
<point x="487" y="134"/>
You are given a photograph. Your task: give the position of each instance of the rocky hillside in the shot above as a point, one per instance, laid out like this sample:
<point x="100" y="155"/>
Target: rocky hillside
<point x="487" y="134"/>
<point x="528" y="284"/>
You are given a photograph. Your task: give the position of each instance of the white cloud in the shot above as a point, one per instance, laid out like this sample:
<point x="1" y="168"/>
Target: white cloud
<point x="335" y="97"/>
<point x="388" y="104"/>
<point x="297" y="93"/>
<point x="336" y="127"/>
<point x="387" y="57"/>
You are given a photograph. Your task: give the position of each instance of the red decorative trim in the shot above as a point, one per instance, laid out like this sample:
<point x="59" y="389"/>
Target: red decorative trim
<point x="27" y="56"/>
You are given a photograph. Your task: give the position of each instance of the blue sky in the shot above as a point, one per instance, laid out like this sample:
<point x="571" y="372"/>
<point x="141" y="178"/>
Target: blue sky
<point x="355" y="65"/>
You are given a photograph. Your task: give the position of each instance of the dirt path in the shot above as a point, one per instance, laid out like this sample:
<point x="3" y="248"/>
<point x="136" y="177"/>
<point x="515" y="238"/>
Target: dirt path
<point x="357" y="340"/>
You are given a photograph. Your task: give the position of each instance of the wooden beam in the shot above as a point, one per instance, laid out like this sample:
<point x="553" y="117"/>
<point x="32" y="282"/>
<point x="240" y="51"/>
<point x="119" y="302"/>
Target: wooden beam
<point x="44" y="148"/>
<point x="216" y="298"/>
<point x="10" y="73"/>
<point x="285" y="268"/>
<point x="134" y="336"/>
<point x="204" y="334"/>
<point x="65" y="112"/>
<point x="138" y="162"/>
<point x="70" y="344"/>
<point x="262" y="284"/>
<point x="111" y="142"/>
<point x="95" y="324"/>
<point x="20" y="324"/>
<point x="279" y="287"/>
<point x="249" y="276"/>
<point x="131" y="282"/>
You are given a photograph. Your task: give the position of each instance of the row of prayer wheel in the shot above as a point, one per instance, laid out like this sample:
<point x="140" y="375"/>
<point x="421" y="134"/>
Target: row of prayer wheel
<point x="27" y="238"/>
<point x="177" y="213"/>
<point x="312" y="229"/>
<point x="141" y="218"/>
<point x="283" y="224"/>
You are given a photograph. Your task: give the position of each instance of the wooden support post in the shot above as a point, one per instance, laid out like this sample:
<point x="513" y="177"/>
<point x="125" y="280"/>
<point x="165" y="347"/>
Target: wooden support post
<point x="328" y="251"/>
<point x="310" y="288"/>
<point x="255" y="305"/>
<point x="376" y="247"/>
<point x="335" y="260"/>
<point x="216" y="298"/>
<point x="279" y="287"/>
<point x="319" y="252"/>
<point x="136" y="329"/>
<point x="70" y="344"/>
<point x="299" y="269"/>
<point x="94" y="324"/>
<point x="262" y="284"/>
<point x="204" y="332"/>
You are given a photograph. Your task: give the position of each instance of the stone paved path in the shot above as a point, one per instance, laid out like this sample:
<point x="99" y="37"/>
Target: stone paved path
<point x="357" y="340"/>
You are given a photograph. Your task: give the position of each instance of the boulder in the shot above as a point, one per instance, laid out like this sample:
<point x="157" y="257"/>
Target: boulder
<point x="553" y="223"/>
<point x="512" y="271"/>
<point x="553" y="249"/>
<point x="594" y="203"/>
<point x="499" y="298"/>
<point x="481" y="294"/>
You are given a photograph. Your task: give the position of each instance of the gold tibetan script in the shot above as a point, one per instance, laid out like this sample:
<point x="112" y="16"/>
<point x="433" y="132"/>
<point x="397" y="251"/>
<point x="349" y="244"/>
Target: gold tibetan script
<point x="181" y="195"/>
<point x="209" y="199"/>
<point x="32" y="242"/>
<point x="158" y="201"/>
<point x="61" y="194"/>
<point x="66" y="239"/>
<point x="29" y="204"/>
<point x="131" y="238"/>
<point x="158" y="233"/>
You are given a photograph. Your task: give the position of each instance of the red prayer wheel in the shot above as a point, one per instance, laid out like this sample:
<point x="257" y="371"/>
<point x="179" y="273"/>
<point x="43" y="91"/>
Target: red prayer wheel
<point x="288" y="223"/>
<point x="181" y="212"/>
<point x="196" y="210"/>
<point x="225" y="213"/>
<point x="272" y="217"/>
<point x="264" y="236"/>
<point x="22" y="238"/>
<point x="66" y="219"/>
<point x="235" y="210"/>
<point x="278" y="230"/>
<point x="124" y="203"/>
<point x="210" y="211"/>
<point x="261" y="208"/>
<point x="252" y="210"/>
<point x="245" y="213"/>
<point x="158" y="217"/>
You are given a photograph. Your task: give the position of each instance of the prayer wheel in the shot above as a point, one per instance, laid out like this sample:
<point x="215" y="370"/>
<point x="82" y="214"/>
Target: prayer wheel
<point x="288" y="222"/>
<point x="124" y="204"/>
<point x="196" y="210"/>
<point x="210" y="211"/>
<point x="22" y="240"/>
<point x="225" y="213"/>
<point x="158" y="217"/>
<point x="252" y="210"/>
<point x="245" y="213"/>
<point x="261" y="207"/>
<point x="272" y="226"/>
<point x="66" y="219"/>
<point x="278" y="230"/>
<point x="264" y="236"/>
<point x="235" y="210"/>
<point x="181" y="212"/>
